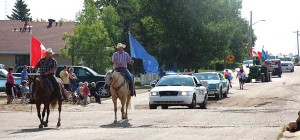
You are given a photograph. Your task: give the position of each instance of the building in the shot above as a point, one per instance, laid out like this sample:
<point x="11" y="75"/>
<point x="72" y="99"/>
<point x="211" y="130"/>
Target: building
<point x="15" y="39"/>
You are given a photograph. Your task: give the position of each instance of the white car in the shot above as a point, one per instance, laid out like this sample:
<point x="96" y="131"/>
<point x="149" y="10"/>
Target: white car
<point x="287" y="66"/>
<point x="178" y="90"/>
<point x="247" y="63"/>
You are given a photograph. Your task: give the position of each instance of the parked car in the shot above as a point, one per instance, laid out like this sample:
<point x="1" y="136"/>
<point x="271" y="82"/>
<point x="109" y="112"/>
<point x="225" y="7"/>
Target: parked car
<point x="3" y="75"/>
<point x="85" y="74"/>
<point x="178" y="90"/>
<point x="274" y="66"/>
<point x="218" y="86"/>
<point x="287" y="66"/>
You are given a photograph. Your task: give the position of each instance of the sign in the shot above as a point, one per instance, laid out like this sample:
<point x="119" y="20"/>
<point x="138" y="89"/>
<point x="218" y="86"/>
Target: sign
<point x="230" y="57"/>
<point x="230" y="61"/>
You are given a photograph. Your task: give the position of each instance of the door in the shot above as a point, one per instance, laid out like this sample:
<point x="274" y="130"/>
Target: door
<point x="200" y="91"/>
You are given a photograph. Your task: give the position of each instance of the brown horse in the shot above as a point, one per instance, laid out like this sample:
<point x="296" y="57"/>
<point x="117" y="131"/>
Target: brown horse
<point x="119" y="88"/>
<point x="43" y="95"/>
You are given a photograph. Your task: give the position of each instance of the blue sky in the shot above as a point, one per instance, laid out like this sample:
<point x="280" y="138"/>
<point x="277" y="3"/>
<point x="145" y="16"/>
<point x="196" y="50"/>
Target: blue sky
<point x="275" y="34"/>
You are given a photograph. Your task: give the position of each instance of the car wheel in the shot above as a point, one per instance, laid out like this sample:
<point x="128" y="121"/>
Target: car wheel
<point x="218" y="96"/>
<point x="193" y="104"/>
<point x="164" y="107"/>
<point x="226" y="92"/>
<point x="152" y="106"/>
<point x="203" y="104"/>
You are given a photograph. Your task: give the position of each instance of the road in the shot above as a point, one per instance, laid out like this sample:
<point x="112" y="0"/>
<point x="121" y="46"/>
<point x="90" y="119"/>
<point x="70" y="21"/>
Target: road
<point x="260" y="111"/>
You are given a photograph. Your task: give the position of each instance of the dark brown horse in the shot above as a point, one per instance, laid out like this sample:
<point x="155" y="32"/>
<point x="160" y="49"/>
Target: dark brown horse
<point x="43" y="95"/>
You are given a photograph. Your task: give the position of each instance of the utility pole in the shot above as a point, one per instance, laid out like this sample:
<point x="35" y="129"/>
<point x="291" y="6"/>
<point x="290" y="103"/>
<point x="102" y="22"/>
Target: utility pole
<point x="250" y="31"/>
<point x="297" y="43"/>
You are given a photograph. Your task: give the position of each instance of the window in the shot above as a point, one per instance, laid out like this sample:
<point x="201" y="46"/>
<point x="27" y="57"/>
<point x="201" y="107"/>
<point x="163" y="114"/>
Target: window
<point x="22" y="60"/>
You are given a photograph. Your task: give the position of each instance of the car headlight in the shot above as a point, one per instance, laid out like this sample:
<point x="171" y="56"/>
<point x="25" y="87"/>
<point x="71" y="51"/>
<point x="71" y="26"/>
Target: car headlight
<point x="185" y="93"/>
<point x="154" y="93"/>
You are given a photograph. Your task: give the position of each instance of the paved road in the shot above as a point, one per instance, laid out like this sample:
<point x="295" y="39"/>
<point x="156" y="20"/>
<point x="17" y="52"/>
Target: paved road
<point x="260" y="111"/>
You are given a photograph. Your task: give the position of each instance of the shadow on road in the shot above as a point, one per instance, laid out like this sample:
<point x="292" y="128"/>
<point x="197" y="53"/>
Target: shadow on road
<point x="123" y="124"/>
<point x="31" y="130"/>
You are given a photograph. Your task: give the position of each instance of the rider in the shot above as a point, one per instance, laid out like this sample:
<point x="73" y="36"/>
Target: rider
<point x="48" y="66"/>
<point x="120" y="60"/>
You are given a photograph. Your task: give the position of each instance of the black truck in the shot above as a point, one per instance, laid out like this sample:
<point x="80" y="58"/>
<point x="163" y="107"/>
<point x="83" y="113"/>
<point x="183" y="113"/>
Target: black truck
<point x="85" y="74"/>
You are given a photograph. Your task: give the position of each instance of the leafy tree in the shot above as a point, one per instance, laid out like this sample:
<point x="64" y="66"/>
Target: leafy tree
<point x="20" y="12"/>
<point x="91" y="43"/>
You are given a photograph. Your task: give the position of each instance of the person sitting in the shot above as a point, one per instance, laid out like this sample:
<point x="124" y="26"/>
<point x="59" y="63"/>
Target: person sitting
<point x="79" y="93"/>
<point x="94" y="93"/>
<point x="24" y="89"/>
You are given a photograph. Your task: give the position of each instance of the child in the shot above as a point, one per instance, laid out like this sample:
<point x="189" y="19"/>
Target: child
<point x="86" y="92"/>
<point x="78" y="93"/>
<point x="25" y="90"/>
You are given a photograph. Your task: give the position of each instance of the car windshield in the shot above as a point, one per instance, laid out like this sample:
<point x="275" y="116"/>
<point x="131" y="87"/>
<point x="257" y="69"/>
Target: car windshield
<point x="207" y="76"/>
<point x="247" y="62"/>
<point x="286" y="59"/>
<point x="175" y="81"/>
<point x="92" y="71"/>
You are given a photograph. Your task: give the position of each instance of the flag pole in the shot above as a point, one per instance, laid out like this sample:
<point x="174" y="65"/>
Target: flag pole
<point x="131" y="65"/>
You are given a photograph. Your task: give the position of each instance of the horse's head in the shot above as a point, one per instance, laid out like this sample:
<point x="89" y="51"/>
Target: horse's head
<point x="108" y="79"/>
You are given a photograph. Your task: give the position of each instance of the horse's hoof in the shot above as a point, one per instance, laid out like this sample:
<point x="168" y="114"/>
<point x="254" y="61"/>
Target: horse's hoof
<point x="40" y="126"/>
<point x="115" y="121"/>
<point x="58" y="124"/>
<point x="45" y="125"/>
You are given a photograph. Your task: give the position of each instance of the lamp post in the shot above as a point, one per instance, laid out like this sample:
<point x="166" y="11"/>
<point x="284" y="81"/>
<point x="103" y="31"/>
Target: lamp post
<point x="297" y="32"/>
<point x="251" y="31"/>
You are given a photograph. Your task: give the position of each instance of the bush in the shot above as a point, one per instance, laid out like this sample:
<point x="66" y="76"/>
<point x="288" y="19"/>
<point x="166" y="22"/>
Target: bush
<point x="137" y="83"/>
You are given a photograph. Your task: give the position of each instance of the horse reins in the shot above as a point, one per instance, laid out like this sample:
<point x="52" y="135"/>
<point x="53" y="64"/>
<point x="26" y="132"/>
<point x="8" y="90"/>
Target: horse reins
<point x="117" y="88"/>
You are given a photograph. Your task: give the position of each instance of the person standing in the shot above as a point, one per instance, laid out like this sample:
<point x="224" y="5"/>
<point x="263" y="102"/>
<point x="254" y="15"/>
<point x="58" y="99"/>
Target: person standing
<point x="228" y="76"/>
<point x="242" y="77"/>
<point x="24" y="73"/>
<point x="120" y="59"/>
<point x="161" y="72"/>
<point x="64" y="75"/>
<point x="10" y="81"/>
<point x="86" y="92"/>
<point x="73" y="78"/>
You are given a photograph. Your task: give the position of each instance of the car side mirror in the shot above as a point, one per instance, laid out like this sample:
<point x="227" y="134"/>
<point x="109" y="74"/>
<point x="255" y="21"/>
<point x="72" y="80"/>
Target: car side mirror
<point x="199" y="85"/>
<point x="152" y="85"/>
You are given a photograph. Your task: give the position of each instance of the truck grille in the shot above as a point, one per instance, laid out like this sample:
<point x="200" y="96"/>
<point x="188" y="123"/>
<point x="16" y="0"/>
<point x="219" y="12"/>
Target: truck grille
<point x="168" y="93"/>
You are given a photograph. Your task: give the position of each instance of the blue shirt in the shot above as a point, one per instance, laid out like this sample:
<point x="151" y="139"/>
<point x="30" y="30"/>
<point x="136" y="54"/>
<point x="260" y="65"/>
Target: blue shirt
<point x="24" y="75"/>
<point x="24" y="89"/>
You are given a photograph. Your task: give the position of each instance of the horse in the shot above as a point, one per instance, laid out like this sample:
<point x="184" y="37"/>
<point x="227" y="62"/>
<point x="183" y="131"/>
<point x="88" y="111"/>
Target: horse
<point x="119" y="88"/>
<point x="44" y="95"/>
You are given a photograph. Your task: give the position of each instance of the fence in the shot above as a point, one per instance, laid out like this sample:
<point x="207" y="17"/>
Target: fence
<point x="146" y="79"/>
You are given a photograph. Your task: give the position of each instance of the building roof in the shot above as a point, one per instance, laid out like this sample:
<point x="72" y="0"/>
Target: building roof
<point x="15" y="42"/>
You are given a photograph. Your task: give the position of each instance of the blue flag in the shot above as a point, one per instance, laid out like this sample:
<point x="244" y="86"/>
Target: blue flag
<point x="264" y="55"/>
<point x="138" y="51"/>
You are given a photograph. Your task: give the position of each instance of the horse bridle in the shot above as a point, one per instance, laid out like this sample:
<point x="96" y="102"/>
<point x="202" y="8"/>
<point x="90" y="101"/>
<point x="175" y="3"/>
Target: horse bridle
<point x="117" y="88"/>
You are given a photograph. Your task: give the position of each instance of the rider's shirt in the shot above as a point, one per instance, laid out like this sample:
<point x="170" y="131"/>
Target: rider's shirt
<point x="46" y="65"/>
<point x="122" y="57"/>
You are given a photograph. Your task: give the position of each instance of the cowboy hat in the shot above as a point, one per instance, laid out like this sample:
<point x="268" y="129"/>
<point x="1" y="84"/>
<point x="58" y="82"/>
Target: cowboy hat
<point x="49" y="50"/>
<point x="119" y="45"/>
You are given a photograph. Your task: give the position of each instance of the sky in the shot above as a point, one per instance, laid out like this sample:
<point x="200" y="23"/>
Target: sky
<point x="275" y="34"/>
<point x="282" y="19"/>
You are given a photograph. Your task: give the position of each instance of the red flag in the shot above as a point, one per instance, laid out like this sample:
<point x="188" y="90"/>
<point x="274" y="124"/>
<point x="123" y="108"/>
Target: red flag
<point x="251" y="51"/>
<point x="259" y="54"/>
<point x="37" y="51"/>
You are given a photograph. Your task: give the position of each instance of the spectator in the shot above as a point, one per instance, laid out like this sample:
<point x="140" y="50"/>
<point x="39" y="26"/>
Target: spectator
<point x="9" y="84"/>
<point x="86" y="92"/>
<point x="24" y="87"/>
<point x="72" y="78"/>
<point x="24" y="73"/>
<point x="64" y="75"/>
<point x="79" y="93"/>
<point x="95" y="93"/>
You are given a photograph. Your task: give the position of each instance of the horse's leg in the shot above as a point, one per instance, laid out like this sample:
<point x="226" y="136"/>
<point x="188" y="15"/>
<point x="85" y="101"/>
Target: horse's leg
<point x="127" y="104"/>
<point x="38" y="108"/>
<point x="44" y="113"/>
<point x="59" y="110"/>
<point x="48" y="113"/>
<point x="123" y="101"/>
<point x="114" y="99"/>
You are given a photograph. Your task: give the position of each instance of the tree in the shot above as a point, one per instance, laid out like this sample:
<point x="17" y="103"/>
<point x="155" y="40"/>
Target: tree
<point x="91" y="43"/>
<point x="20" y="12"/>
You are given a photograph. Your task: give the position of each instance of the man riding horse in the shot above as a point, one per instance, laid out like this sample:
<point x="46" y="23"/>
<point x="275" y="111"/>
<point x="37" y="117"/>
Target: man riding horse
<point x="48" y="66"/>
<point x="120" y="60"/>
